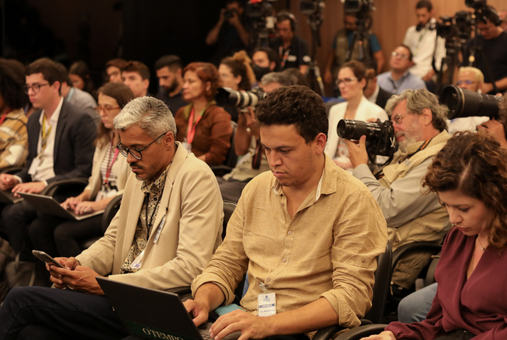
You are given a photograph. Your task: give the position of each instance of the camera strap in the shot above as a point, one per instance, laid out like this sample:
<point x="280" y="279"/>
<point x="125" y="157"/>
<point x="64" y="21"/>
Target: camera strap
<point x="284" y="55"/>
<point x="378" y="175"/>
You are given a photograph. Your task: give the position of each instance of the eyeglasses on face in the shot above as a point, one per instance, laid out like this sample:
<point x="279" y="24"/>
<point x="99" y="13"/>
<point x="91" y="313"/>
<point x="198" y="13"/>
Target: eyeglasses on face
<point x="398" y="119"/>
<point x="136" y="153"/>
<point x="468" y="82"/>
<point x="106" y="109"/>
<point x="346" y="81"/>
<point x="399" y="55"/>
<point x="35" y="87"/>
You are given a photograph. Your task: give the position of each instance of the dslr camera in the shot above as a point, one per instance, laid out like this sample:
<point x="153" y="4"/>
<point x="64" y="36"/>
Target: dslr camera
<point x="465" y="103"/>
<point x="380" y="136"/>
<point x="230" y="13"/>
<point x="312" y="7"/>
<point x="358" y="6"/>
<point x="259" y="9"/>
<point x="227" y="96"/>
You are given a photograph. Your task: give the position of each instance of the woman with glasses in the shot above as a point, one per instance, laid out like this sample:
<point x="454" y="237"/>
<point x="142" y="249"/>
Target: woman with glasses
<point x="203" y="127"/>
<point x="60" y="237"/>
<point x="470" y="177"/>
<point x="352" y="79"/>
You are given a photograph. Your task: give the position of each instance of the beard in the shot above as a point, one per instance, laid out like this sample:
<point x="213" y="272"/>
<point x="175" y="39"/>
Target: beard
<point x="409" y="139"/>
<point x="171" y="88"/>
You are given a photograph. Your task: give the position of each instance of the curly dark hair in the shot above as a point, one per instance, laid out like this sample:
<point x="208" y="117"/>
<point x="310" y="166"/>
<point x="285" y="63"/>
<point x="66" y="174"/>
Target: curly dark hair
<point x="298" y="105"/>
<point x="11" y="84"/>
<point x="474" y="164"/>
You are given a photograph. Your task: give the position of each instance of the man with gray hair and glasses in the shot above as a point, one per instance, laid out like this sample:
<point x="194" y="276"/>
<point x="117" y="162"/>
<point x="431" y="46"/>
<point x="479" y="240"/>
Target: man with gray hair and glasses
<point x="419" y="122"/>
<point x="168" y="226"/>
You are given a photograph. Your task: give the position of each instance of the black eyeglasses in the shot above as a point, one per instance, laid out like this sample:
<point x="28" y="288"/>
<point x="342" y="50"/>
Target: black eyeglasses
<point x="106" y="109"/>
<point x="35" y="87"/>
<point x="136" y="153"/>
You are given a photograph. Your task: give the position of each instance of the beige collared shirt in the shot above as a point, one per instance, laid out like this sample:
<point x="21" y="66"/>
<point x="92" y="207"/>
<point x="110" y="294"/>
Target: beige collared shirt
<point x="327" y="250"/>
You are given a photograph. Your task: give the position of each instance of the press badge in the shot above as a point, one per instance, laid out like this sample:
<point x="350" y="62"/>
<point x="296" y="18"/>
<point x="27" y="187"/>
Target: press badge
<point x="138" y="261"/>
<point x="266" y="304"/>
<point x="160" y="227"/>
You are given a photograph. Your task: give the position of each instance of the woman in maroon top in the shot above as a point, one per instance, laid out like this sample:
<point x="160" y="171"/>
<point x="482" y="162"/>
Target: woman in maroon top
<point x="204" y="128"/>
<point x="470" y="177"/>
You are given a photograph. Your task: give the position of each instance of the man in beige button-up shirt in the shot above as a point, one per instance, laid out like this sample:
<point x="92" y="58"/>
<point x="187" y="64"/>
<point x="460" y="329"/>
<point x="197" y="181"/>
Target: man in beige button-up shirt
<point x="307" y="231"/>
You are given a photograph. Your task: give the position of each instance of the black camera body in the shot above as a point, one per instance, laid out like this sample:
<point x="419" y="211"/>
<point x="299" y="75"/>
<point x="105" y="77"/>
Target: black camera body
<point x="380" y="136"/>
<point x="459" y="26"/>
<point x="465" y="103"/>
<point x="476" y="4"/>
<point x="227" y="96"/>
<point x="229" y="14"/>
<point x="357" y="6"/>
<point x="311" y="7"/>
<point x="259" y="10"/>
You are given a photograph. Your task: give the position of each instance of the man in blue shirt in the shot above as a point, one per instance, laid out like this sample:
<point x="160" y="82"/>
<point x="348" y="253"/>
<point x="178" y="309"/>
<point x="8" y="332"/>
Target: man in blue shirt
<point x="399" y="78"/>
<point x="343" y="40"/>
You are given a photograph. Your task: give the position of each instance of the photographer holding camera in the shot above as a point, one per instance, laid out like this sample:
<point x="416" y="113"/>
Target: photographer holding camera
<point x="342" y="43"/>
<point x="230" y="34"/>
<point x="491" y="53"/>
<point x="420" y="127"/>
<point x="424" y="43"/>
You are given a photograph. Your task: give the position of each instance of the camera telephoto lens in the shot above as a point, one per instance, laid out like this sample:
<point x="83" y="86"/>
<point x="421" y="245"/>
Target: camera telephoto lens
<point x="465" y="103"/>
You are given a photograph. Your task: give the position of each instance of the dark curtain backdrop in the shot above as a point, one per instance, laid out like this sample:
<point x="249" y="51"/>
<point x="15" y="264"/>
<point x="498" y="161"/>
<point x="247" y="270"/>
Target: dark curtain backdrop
<point x="155" y="28"/>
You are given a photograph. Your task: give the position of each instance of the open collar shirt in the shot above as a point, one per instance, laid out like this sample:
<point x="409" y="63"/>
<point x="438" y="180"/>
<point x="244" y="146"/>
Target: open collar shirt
<point x="407" y="81"/>
<point x="152" y="195"/>
<point x="328" y="249"/>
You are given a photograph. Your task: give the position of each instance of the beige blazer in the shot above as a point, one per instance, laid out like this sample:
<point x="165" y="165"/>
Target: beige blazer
<point x="120" y="168"/>
<point x="190" y="235"/>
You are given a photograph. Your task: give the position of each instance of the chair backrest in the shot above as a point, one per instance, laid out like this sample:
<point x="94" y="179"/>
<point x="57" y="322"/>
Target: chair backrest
<point x="381" y="286"/>
<point x="228" y="210"/>
<point x="107" y="216"/>
<point x="112" y="208"/>
<point x="231" y="158"/>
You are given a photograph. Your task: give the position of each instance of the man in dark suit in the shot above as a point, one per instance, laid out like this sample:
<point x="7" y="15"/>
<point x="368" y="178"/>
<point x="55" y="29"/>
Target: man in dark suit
<point x="60" y="146"/>
<point x="373" y="92"/>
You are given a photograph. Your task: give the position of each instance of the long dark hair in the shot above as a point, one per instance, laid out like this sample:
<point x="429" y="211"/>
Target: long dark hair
<point x="122" y="94"/>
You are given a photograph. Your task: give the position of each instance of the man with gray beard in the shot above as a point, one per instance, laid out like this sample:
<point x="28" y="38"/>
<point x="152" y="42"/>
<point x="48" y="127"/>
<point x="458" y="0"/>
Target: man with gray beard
<point x="419" y="122"/>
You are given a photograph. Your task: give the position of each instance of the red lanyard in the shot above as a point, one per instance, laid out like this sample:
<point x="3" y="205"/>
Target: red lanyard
<point x="191" y="129"/>
<point x="108" y="171"/>
<point x="3" y="118"/>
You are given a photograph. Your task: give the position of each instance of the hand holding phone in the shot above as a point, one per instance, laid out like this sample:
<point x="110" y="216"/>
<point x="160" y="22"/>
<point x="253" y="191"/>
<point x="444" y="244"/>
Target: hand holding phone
<point x="46" y="258"/>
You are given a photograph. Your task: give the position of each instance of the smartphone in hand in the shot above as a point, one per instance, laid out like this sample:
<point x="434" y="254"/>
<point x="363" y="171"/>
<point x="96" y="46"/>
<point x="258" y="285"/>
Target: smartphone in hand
<point x="46" y="258"/>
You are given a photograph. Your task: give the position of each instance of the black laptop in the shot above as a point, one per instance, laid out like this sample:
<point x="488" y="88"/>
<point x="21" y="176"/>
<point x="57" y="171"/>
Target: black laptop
<point x="50" y="206"/>
<point x="8" y="197"/>
<point x="149" y="313"/>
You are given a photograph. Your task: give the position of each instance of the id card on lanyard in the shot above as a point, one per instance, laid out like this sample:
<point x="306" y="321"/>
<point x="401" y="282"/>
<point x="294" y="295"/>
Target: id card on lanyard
<point x="283" y="56"/>
<point x="191" y="129"/>
<point x="44" y="140"/>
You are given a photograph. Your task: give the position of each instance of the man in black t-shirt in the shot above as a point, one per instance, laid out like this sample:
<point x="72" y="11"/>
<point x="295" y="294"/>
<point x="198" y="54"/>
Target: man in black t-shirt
<point x="171" y="82"/>
<point x="493" y="42"/>
<point x="292" y="49"/>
